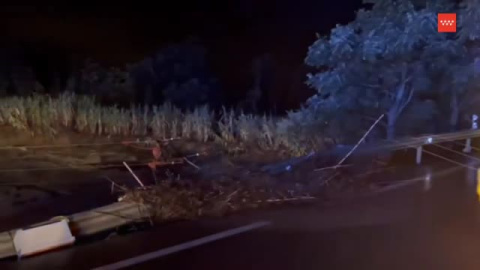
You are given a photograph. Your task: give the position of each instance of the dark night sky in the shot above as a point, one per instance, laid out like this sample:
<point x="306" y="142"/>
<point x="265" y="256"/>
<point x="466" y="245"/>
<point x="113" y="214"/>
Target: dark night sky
<point x="234" y="31"/>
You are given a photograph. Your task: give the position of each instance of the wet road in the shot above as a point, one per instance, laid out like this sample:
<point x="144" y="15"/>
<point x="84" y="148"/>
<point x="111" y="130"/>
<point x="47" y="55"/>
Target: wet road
<point x="427" y="225"/>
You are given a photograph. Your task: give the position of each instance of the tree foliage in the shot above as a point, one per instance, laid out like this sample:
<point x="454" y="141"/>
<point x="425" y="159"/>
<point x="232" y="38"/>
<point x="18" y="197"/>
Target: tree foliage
<point x="178" y="73"/>
<point x="108" y="84"/>
<point x="389" y="57"/>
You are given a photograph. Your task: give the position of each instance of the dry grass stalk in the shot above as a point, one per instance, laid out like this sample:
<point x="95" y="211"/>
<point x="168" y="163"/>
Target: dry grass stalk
<point x="41" y="114"/>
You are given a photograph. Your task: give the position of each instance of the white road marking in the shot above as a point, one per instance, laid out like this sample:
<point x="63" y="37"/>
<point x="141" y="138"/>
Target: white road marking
<point x="180" y="247"/>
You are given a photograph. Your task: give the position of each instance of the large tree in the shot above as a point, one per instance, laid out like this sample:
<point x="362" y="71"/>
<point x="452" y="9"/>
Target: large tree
<point x="466" y="74"/>
<point x="384" y="59"/>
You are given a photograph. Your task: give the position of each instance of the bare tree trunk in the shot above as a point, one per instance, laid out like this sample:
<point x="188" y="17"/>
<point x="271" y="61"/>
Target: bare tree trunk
<point x="401" y="99"/>
<point x="391" y="132"/>
<point x="392" y="117"/>
<point x="391" y="123"/>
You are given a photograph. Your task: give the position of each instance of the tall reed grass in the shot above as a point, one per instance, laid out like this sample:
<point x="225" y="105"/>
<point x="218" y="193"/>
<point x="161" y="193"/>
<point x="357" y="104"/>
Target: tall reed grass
<point x="42" y="114"/>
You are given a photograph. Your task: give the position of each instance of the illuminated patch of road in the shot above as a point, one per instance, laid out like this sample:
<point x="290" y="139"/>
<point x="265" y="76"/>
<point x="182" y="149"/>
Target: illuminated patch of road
<point x="184" y="246"/>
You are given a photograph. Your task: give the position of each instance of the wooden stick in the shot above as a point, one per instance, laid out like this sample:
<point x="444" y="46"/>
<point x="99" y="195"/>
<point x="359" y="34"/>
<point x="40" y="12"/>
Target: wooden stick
<point x="332" y="167"/>
<point x="361" y="140"/>
<point x="229" y="197"/>
<point x="194" y="155"/>
<point x="155" y="176"/>
<point x="330" y="178"/>
<point x="191" y="163"/>
<point x="114" y="184"/>
<point x="133" y="174"/>
<point x="304" y="198"/>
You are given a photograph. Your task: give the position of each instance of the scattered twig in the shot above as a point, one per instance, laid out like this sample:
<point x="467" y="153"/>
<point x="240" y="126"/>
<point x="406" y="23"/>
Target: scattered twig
<point x="333" y="167"/>
<point x="195" y="155"/>
<point x="169" y="139"/>
<point x="154" y="164"/>
<point x="305" y="198"/>
<point x="339" y="164"/>
<point x="329" y="179"/>
<point x="154" y="177"/>
<point x="149" y="143"/>
<point x="229" y="197"/>
<point x="191" y="163"/>
<point x="133" y="174"/>
<point x="361" y="140"/>
<point x="374" y="171"/>
<point x="114" y="184"/>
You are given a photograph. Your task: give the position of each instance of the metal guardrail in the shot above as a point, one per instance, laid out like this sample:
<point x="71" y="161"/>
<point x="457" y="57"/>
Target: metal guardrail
<point x="431" y="139"/>
<point x="415" y="142"/>
<point x="341" y="151"/>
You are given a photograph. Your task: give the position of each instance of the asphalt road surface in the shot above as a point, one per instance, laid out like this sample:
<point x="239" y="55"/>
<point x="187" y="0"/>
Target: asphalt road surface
<point x="431" y="224"/>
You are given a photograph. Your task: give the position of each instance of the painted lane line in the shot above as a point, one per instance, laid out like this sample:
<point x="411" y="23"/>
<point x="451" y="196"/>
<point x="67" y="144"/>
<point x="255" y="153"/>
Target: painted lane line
<point x="184" y="246"/>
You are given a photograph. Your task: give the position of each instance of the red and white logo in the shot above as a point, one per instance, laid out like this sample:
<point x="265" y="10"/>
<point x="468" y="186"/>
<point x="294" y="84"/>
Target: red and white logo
<point x="447" y="22"/>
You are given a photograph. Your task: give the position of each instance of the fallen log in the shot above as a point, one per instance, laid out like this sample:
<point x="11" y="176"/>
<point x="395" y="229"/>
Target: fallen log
<point x="86" y="223"/>
<point x="106" y="217"/>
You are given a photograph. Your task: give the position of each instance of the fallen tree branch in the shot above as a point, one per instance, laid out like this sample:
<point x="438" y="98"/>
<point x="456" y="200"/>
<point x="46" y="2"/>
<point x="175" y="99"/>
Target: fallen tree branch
<point x="133" y="174"/>
<point x="191" y="163"/>
<point x="305" y="198"/>
<point x="114" y="184"/>
<point x="329" y="179"/>
<point x="360" y="141"/>
<point x="332" y="167"/>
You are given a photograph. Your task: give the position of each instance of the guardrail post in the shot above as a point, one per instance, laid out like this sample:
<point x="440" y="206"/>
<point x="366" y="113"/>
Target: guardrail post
<point x="468" y="146"/>
<point x="419" y="155"/>
<point x="468" y="143"/>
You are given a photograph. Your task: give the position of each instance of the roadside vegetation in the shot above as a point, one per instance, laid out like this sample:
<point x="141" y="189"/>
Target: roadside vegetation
<point x="46" y="115"/>
<point x="173" y="200"/>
